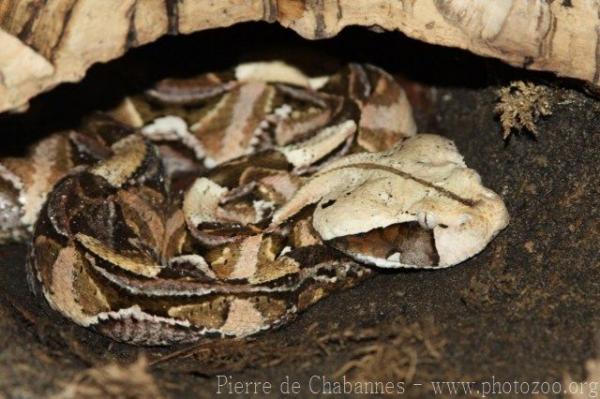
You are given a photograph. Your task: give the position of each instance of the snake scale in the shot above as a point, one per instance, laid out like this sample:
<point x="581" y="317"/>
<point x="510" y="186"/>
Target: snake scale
<point x="222" y="205"/>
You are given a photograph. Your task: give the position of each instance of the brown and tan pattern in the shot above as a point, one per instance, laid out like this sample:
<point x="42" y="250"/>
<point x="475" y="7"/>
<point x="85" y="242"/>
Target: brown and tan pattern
<point x="222" y="206"/>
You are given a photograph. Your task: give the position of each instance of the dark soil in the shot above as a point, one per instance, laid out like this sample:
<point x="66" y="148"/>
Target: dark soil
<point x="526" y="309"/>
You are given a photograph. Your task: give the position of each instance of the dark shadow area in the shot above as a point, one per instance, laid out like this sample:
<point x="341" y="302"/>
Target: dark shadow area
<point x="218" y="49"/>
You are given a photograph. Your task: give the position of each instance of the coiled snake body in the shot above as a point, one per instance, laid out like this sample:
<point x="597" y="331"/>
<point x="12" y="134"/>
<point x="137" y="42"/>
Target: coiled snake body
<point x="225" y="204"/>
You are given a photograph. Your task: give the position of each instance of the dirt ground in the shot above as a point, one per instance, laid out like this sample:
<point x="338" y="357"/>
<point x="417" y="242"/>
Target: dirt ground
<point x="526" y="309"/>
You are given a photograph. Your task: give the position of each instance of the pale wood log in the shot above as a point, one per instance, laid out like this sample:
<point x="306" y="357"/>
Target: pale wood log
<point x="47" y="42"/>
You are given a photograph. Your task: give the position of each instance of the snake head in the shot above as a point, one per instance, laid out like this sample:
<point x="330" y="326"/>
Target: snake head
<point x="416" y="205"/>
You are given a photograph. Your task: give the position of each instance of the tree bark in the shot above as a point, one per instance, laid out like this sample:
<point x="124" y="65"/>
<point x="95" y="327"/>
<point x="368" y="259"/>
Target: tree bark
<point x="47" y="42"/>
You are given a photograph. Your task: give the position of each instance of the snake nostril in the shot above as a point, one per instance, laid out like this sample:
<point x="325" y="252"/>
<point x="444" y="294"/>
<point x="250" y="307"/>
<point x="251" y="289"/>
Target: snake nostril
<point x="327" y="204"/>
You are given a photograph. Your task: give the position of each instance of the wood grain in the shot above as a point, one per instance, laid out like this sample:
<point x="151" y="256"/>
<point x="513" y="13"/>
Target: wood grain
<point x="47" y="42"/>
